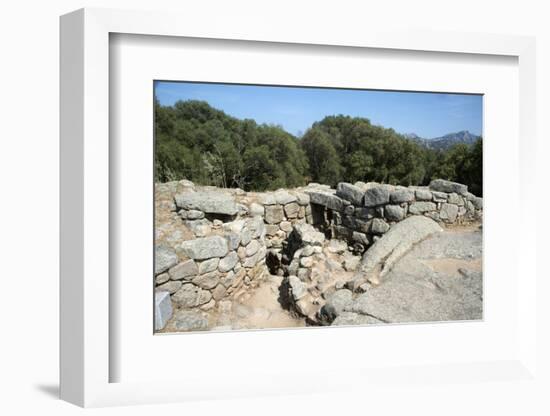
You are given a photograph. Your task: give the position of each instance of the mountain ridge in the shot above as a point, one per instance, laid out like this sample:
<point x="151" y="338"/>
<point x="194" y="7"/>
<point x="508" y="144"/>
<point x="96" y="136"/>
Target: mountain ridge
<point x="446" y="141"/>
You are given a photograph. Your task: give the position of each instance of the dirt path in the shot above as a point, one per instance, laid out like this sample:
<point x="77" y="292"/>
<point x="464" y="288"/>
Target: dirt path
<point x="259" y="309"/>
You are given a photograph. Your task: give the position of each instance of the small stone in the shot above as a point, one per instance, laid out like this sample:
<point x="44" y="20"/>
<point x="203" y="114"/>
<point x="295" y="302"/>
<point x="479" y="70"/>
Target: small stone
<point x="190" y="321"/>
<point x="377" y="195"/>
<point x="291" y="210"/>
<point x="442" y="185"/>
<point x="351" y="263"/>
<point x="243" y="210"/>
<point x="349" y="210"/>
<point x="327" y="199"/>
<point x="219" y="292"/>
<point x="360" y="238"/>
<point x="283" y="197"/>
<point x="401" y="195"/>
<point x="183" y="270"/>
<point x="455" y="199"/>
<point x="337" y="246"/>
<point x="202" y="230"/>
<point x="205" y="248"/>
<point x="334" y="266"/>
<point x="234" y="226"/>
<point x="267" y="199"/>
<point x="165" y="257"/>
<point x="303" y="274"/>
<point x="448" y="212"/>
<point x="350" y="193"/>
<point x="439" y="196"/>
<point x="229" y="261"/>
<point x="162" y="278"/>
<point x="306" y="262"/>
<point x="417" y="208"/>
<point x="297" y="287"/>
<point x="194" y="215"/>
<point x="246" y="236"/>
<point x="274" y="214"/>
<point x="241" y="252"/>
<point x="302" y="198"/>
<point x="208" y="266"/>
<point x="256" y="227"/>
<point x="271" y="229"/>
<point x="233" y="241"/>
<point x="423" y="195"/>
<point x="252" y="248"/>
<point x="307" y="251"/>
<point x="286" y="226"/>
<point x="163" y="309"/>
<point x="191" y="296"/>
<point x="308" y="235"/>
<point x="256" y="210"/>
<point x="208" y="280"/>
<point x="379" y="226"/>
<point x="172" y="286"/>
<point x="228" y="279"/>
<point x="211" y="202"/>
<point x="394" y="212"/>
<point x="208" y="306"/>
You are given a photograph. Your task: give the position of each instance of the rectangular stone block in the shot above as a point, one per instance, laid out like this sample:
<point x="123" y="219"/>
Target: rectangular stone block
<point x="163" y="309"/>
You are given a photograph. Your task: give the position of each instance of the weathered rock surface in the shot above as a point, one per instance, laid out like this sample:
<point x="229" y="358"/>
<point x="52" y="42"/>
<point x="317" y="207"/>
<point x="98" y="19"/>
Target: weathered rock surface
<point x="163" y="309"/>
<point x="394" y="212"/>
<point x="442" y="185"/>
<point x="205" y="248"/>
<point x="351" y="318"/>
<point x="228" y="262"/>
<point x="448" y="212"/>
<point x="401" y="195"/>
<point x="184" y="270"/>
<point x="190" y="296"/>
<point x="350" y="193"/>
<point x="297" y="288"/>
<point x="309" y="235"/>
<point x="379" y="226"/>
<point x="335" y="304"/>
<point x="378" y="195"/>
<point x="210" y="202"/>
<point x="438" y="280"/>
<point x="274" y="214"/>
<point x="327" y="199"/>
<point x="421" y="207"/>
<point x="165" y="257"/>
<point x="379" y="258"/>
<point x="423" y="195"/>
<point x="190" y="321"/>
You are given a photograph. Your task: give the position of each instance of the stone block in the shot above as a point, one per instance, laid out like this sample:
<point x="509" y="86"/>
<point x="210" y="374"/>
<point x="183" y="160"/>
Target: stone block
<point x="163" y="309"/>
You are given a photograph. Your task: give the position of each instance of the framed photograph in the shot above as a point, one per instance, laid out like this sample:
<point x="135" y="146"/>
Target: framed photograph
<point x="237" y="206"/>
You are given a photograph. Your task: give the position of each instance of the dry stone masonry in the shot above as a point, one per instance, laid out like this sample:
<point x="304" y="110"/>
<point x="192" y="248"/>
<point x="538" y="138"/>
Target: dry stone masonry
<point x="214" y="245"/>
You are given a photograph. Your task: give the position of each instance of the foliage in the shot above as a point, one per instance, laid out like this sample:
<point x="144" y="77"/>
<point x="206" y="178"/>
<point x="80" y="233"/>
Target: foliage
<point x="198" y="142"/>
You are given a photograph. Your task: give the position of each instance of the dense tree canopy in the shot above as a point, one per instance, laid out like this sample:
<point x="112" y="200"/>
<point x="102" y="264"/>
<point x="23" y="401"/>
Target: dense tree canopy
<point x="197" y="142"/>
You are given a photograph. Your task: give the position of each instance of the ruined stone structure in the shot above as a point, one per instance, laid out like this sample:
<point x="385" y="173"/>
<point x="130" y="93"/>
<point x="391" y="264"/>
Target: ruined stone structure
<point x="213" y="245"/>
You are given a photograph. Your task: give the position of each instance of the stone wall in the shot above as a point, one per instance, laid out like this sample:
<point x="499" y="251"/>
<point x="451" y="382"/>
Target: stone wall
<point x="214" y="245"/>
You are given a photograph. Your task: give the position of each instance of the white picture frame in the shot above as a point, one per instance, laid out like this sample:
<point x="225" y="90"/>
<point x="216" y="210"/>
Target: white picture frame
<point x="86" y="356"/>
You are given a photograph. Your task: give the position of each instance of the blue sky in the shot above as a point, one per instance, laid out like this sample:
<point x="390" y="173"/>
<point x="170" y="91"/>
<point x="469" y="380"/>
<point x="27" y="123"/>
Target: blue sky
<point x="427" y="114"/>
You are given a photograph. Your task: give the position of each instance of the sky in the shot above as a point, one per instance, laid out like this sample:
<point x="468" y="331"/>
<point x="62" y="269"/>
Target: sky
<point x="428" y="115"/>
